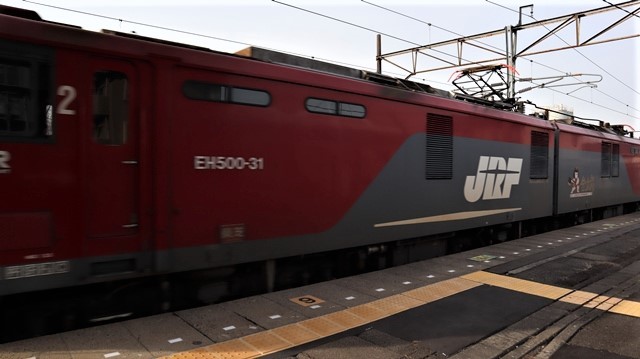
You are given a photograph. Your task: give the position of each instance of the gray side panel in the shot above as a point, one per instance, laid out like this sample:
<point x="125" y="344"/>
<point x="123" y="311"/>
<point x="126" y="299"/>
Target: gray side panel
<point x="401" y="193"/>
<point x="590" y="190"/>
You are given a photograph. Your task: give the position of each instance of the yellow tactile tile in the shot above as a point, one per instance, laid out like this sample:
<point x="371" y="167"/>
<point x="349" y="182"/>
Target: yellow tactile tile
<point x="520" y="285"/>
<point x="547" y="291"/>
<point x="613" y="300"/>
<point x="480" y="276"/>
<point x="627" y="307"/>
<point x="295" y="334"/>
<point x="367" y="312"/>
<point x="396" y="304"/>
<point x="596" y="301"/>
<point x="232" y="349"/>
<point x="578" y="297"/>
<point x="266" y="342"/>
<point x="322" y="326"/>
<point x="605" y="306"/>
<point x="346" y="319"/>
<point x="236" y="349"/>
<point x="441" y="290"/>
<point x="609" y="303"/>
<point x="422" y="294"/>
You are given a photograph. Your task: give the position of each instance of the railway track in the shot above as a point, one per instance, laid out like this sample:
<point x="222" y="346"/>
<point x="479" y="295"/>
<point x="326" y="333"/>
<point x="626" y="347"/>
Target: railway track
<point x="600" y="281"/>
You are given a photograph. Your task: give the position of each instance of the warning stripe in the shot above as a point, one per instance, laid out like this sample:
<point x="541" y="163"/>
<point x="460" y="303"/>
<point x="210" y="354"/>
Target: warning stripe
<point x="627" y="307"/>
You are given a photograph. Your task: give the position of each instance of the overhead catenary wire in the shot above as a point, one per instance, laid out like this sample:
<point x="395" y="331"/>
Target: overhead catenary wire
<point x="593" y="103"/>
<point x="497" y="48"/>
<point x="469" y="62"/>
<point x="573" y="48"/>
<point x="472" y="62"/>
<point x="164" y="28"/>
<point x="367" y="29"/>
<point x="248" y="44"/>
<point x="172" y="30"/>
<point x="458" y="34"/>
<point x="413" y="18"/>
<point x="137" y="23"/>
<point x="345" y="22"/>
<point x="597" y="65"/>
<point x="317" y="14"/>
<point x="623" y="9"/>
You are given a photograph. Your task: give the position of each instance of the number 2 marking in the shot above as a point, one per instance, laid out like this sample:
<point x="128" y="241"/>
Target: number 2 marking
<point x="69" y="93"/>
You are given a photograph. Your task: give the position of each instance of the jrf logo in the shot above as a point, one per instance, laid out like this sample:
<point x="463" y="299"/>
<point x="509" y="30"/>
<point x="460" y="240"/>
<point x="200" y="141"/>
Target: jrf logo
<point x="4" y="162"/>
<point x="494" y="178"/>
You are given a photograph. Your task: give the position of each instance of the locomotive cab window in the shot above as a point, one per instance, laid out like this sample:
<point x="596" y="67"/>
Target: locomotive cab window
<point x="26" y="110"/>
<point x="110" y="107"/>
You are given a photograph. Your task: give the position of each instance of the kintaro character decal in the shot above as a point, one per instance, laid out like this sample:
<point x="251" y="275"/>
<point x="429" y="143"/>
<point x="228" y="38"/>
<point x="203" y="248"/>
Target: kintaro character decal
<point x="574" y="181"/>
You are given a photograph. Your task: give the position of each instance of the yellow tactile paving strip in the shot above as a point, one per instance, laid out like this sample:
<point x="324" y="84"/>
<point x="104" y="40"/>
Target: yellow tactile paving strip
<point x="289" y="336"/>
<point x="442" y="289"/>
<point x="519" y="285"/>
<point x="627" y="307"/>
<point x="586" y="299"/>
<point x="579" y="297"/>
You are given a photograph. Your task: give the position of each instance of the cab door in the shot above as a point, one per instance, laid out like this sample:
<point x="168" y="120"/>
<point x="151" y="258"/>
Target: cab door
<point x="113" y="163"/>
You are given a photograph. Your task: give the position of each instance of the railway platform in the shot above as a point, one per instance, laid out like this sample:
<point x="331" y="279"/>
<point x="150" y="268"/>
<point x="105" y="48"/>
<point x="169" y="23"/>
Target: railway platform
<point x="570" y="293"/>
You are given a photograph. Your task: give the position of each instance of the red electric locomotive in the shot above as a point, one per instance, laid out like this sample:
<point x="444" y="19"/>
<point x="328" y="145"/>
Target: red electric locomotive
<point x="123" y="157"/>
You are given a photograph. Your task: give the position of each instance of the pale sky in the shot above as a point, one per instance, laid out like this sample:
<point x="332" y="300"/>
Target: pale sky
<point x="273" y="25"/>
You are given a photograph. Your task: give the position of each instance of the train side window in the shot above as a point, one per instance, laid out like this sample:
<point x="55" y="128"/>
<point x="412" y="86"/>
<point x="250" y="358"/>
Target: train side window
<point x="249" y="97"/>
<point x="203" y="91"/>
<point x="316" y="105"/>
<point x="110" y="107"/>
<point x="539" y="155"/>
<point x="195" y="90"/>
<point x="351" y="110"/>
<point x="26" y="110"/>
